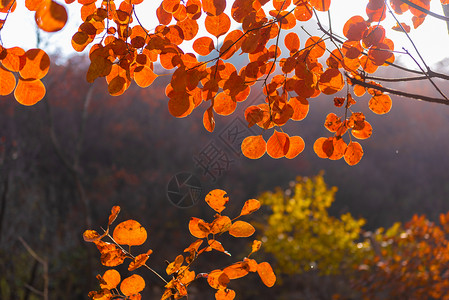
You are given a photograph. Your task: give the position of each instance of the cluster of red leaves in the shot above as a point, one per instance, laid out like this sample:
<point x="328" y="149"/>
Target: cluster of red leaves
<point x="411" y="263"/>
<point x="131" y="233"/>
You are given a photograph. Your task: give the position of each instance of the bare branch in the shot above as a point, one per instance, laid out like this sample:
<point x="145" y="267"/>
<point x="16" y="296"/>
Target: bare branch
<point x="396" y="92"/>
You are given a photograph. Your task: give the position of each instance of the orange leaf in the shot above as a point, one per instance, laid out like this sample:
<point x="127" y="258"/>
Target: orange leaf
<point x="254" y="147"/>
<point x="297" y="145"/>
<point x="144" y="76"/>
<point x="139" y="261"/>
<point x="363" y="131"/>
<point x="249" y="207"/>
<point x="300" y="107"/>
<point x="130" y="233"/>
<point x="332" y="122"/>
<point x="217" y="25"/>
<point x="111" y="255"/>
<point x="224" y="294"/>
<point x="380" y="104"/>
<point x="316" y="46"/>
<point x="321" y="5"/>
<point x="355" y="28"/>
<point x="241" y="229"/>
<point x="217" y="200"/>
<point x="237" y="270"/>
<point x="36" y="66"/>
<point x="29" y="92"/>
<point x="376" y="10"/>
<point x="175" y="265"/>
<point x="220" y="224"/>
<point x="7" y="82"/>
<point x="51" y="16"/>
<point x="217" y="279"/>
<point x="255" y="246"/>
<point x="112" y="279"/>
<point x="216" y="245"/>
<point x="353" y="153"/>
<point x="331" y="81"/>
<point x="318" y="147"/>
<point x="132" y="285"/>
<point x="114" y="213"/>
<point x="266" y="274"/>
<point x="203" y="45"/>
<point x="214" y="7"/>
<point x="224" y="105"/>
<point x="334" y="147"/>
<point x="303" y="12"/>
<point x="278" y="144"/>
<point x="208" y="119"/>
<point x="292" y="42"/>
<point x="92" y="235"/>
<point x="403" y="26"/>
<point x="198" y="228"/>
<point x="14" y="60"/>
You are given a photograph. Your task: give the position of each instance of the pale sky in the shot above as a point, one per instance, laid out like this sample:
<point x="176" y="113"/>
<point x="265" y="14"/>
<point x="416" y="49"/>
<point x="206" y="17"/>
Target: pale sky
<point x="432" y="37"/>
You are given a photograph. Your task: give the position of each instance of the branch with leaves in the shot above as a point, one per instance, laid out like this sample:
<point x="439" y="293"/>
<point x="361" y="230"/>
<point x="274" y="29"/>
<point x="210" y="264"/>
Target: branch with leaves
<point x="132" y="233"/>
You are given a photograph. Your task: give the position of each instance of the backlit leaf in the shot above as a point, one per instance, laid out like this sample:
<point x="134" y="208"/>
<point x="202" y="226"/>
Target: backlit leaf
<point x="203" y="45"/>
<point x="51" y="16"/>
<point x="7" y="82"/>
<point x="321" y="5"/>
<point x="217" y="279"/>
<point x="363" y="131"/>
<point x="112" y="279"/>
<point x="355" y="28"/>
<point x="241" y="229"/>
<point x="291" y="41"/>
<point x="139" y="261"/>
<point x="278" y="144"/>
<point x="331" y="81"/>
<point x="224" y="105"/>
<point x="114" y="213"/>
<point x="237" y="270"/>
<point x="217" y="200"/>
<point x="217" y="25"/>
<point x="316" y="46"/>
<point x="36" y="66"/>
<point x="130" y="233"/>
<point x="353" y="153"/>
<point x="255" y="246"/>
<point x="300" y="107"/>
<point x="249" y="207"/>
<point x="214" y="7"/>
<point x="303" y="12"/>
<point x="297" y="145"/>
<point x="175" y="265"/>
<point x="266" y="274"/>
<point x="209" y="120"/>
<point x="380" y="104"/>
<point x="254" y="147"/>
<point x="199" y="228"/>
<point x="29" y="92"/>
<point x="220" y="224"/>
<point x="224" y="294"/>
<point x="132" y="285"/>
<point x="144" y="76"/>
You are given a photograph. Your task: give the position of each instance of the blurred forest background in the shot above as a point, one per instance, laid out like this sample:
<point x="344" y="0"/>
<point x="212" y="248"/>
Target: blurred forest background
<point x="67" y="160"/>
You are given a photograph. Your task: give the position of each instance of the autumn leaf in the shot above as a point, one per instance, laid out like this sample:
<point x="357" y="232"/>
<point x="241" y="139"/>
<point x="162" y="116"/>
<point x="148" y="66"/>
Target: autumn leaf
<point x="132" y="285"/>
<point x="139" y="261"/>
<point x="217" y="199"/>
<point x="241" y="229"/>
<point x="130" y="233"/>
<point x="175" y="265"/>
<point x="266" y="274"/>
<point x="278" y="144"/>
<point x="114" y="213"/>
<point x="111" y="278"/>
<point x="199" y="228"/>
<point x="250" y="206"/>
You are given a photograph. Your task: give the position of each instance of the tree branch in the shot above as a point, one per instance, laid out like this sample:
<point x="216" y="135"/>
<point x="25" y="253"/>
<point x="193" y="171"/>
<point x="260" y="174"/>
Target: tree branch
<point x="424" y="10"/>
<point x="396" y="92"/>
